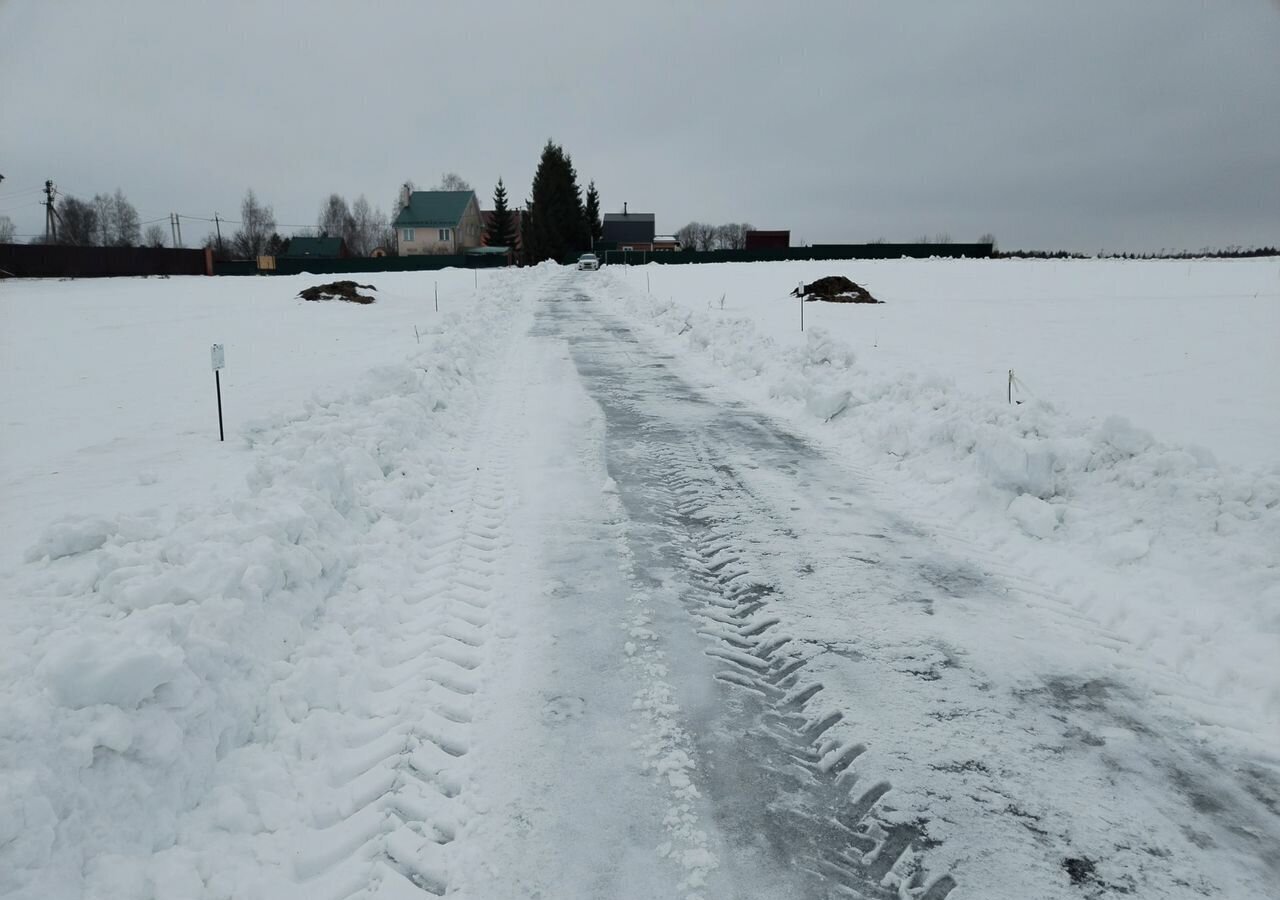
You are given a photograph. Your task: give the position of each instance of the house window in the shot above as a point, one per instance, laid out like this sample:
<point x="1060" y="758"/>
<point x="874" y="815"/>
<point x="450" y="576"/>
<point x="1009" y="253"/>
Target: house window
<point x="408" y="234"/>
<point x="444" y="234"/>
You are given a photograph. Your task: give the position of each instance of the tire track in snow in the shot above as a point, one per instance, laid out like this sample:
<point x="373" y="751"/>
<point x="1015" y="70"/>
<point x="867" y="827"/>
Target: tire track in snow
<point x="845" y="846"/>
<point x="398" y="799"/>
<point x="774" y="774"/>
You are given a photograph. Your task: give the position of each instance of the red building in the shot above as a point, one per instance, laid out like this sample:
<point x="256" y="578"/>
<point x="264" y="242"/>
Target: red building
<point x="768" y="240"/>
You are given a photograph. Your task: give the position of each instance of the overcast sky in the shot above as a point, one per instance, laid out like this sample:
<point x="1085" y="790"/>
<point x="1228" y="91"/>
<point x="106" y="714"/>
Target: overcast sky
<point x="1135" y="125"/>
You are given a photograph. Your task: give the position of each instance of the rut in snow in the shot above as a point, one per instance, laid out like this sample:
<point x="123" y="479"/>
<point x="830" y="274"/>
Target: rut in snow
<point x="398" y="804"/>
<point x="778" y="780"/>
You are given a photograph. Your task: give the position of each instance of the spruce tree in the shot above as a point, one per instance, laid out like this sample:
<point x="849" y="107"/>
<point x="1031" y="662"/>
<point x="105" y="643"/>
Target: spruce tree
<point x="502" y="230"/>
<point x="594" y="227"/>
<point x="557" y="221"/>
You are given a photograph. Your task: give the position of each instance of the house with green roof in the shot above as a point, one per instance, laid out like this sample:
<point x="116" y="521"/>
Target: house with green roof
<point x="439" y="222"/>
<point x="319" y="247"/>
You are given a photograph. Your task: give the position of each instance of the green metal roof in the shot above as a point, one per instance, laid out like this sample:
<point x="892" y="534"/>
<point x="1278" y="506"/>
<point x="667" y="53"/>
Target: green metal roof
<point x="328" y="247"/>
<point x="493" y="250"/>
<point x="434" y="209"/>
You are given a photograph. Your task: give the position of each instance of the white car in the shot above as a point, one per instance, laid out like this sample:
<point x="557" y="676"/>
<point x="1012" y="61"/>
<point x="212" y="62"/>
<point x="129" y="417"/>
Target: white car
<point x="589" y="261"/>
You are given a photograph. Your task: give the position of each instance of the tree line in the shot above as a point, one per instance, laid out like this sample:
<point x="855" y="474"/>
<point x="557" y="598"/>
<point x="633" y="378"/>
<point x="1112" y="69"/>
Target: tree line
<point x="701" y="236"/>
<point x="108" y="220"/>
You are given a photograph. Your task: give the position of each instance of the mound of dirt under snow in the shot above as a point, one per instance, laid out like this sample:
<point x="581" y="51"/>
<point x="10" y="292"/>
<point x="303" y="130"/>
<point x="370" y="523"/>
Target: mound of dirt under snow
<point x="836" y="289"/>
<point x="338" y="290"/>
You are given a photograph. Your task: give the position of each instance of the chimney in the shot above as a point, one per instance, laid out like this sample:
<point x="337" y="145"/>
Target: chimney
<point x="624" y="207"/>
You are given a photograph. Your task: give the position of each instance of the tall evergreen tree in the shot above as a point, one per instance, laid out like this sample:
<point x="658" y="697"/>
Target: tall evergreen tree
<point x="502" y="227"/>
<point x="594" y="227"/>
<point x="557" y="221"/>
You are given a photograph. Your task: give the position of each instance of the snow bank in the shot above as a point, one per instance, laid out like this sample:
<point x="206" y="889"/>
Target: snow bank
<point x="1183" y="347"/>
<point x="140" y="650"/>
<point x="1173" y="553"/>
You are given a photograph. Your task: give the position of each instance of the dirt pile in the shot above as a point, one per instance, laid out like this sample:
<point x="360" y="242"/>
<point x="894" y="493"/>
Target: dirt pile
<point x="338" y="290"/>
<point x="836" y="289"/>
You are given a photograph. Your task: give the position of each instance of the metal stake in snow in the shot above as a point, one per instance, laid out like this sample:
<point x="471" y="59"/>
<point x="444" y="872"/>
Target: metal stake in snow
<point x="219" y="359"/>
<point x="437" y="296"/>
<point x="1011" y="387"/>
<point x="800" y="291"/>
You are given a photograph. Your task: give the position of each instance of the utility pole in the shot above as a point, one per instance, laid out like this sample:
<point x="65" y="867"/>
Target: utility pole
<point x="173" y="228"/>
<point x="50" y="222"/>
<point x="177" y="218"/>
<point x="218" y="225"/>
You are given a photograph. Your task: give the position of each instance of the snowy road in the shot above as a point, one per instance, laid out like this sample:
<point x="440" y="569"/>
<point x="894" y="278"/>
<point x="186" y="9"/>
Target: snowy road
<point x="548" y="612"/>
<point x="819" y="692"/>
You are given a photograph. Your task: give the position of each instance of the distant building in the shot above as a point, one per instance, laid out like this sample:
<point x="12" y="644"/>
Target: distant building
<point x="439" y="222"/>
<point x="666" y="242"/>
<point x="768" y="240"/>
<point x="628" y="230"/>
<point x="317" y="247"/>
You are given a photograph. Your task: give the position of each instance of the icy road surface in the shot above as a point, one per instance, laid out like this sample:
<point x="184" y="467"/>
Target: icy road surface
<point x="828" y="703"/>
<point x="547" y="614"/>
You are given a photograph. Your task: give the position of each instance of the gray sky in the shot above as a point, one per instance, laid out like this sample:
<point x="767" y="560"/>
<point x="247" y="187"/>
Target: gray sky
<point x="1137" y="125"/>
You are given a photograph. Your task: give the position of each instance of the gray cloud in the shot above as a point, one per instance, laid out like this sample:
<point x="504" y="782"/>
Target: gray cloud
<point x="1146" y="124"/>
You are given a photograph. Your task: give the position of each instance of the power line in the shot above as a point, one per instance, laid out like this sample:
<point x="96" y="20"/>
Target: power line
<point x="7" y="194"/>
<point x="26" y="205"/>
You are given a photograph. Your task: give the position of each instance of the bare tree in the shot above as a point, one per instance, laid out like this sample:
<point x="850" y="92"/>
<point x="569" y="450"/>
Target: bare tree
<point x="698" y="236"/>
<point x="989" y="238"/>
<point x="124" y="221"/>
<point x="452" y="181"/>
<point x="7" y="230"/>
<point x="363" y="228"/>
<point x="77" y="222"/>
<point x="687" y="236"/>
<point x="154" y="236"/>
<point x="384" y="234"/>
<point x="257" y="226"/>
<point x="706" y="236"/>
<point x="732" y="235"/>
<point x="103" y="209"/>
<point x="942" y="238"/>
<point x="116" y="221"/>
<point x="335" y="218"/>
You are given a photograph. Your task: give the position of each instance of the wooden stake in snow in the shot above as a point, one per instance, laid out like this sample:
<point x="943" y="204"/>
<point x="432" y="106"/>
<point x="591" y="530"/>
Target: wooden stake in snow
<point x="437" y="296"/>
<point x="800" y="292"/>
<point x="1011" y="387"/>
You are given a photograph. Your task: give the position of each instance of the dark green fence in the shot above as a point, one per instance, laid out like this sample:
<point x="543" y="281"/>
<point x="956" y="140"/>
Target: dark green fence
<point x="782" y="254"/>
<point x="358" y="265"/>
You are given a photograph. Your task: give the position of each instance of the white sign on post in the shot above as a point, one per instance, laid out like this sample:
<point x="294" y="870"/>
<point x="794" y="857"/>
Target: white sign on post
<point x="219" y="358"/>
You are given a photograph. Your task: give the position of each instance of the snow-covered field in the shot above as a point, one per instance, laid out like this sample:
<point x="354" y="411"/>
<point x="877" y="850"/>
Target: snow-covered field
<point x="397" y="634"/>
<point x="110" y="405"/>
